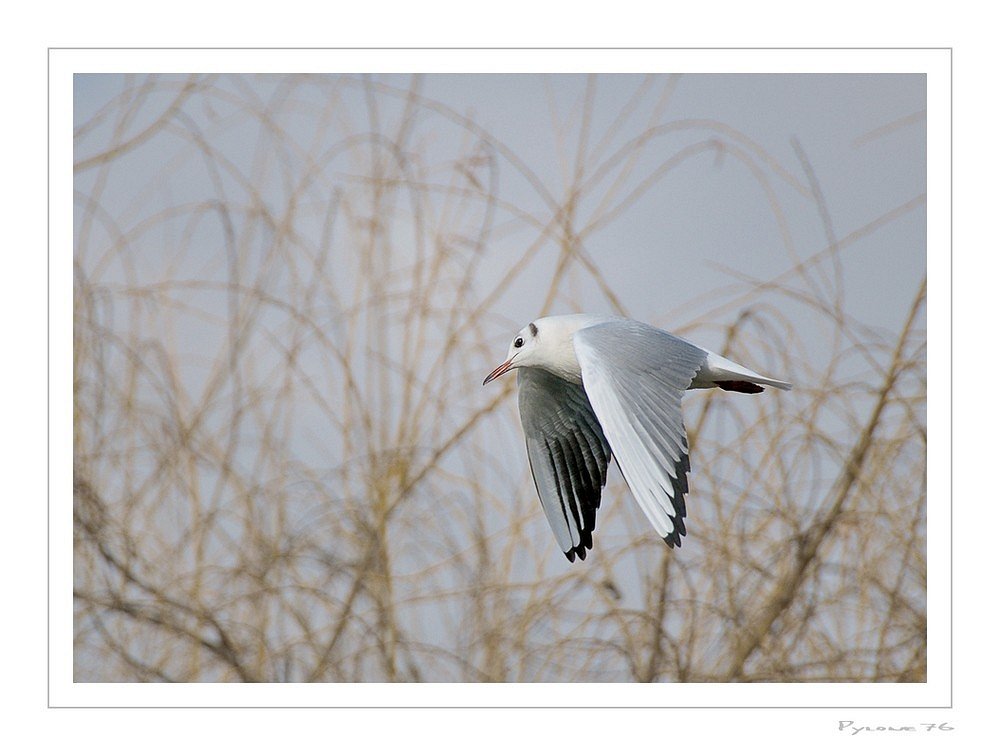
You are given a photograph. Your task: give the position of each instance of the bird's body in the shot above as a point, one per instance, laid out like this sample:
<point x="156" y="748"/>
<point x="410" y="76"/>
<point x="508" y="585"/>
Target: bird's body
<point x="591" y="387"/>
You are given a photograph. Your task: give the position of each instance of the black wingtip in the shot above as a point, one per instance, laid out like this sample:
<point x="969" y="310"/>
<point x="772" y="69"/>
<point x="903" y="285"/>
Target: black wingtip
<point x="577" y="551"/>
<point x="743" y="387"/>
<point x="673" y="539"/>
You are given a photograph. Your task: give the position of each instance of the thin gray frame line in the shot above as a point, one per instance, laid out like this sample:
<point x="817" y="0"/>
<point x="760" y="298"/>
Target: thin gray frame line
<point x="951" y="356"/>
<point x="201" y="47"/>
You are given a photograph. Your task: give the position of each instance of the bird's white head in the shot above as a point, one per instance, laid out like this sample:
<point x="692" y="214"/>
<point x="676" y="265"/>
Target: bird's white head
<point x="547" y="343"/>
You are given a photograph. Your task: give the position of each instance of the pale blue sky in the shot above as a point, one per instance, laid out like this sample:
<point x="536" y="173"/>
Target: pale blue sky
<point x="662" y="253"/>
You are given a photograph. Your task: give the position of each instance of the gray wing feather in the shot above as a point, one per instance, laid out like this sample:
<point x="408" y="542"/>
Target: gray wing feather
<point x="635" y="376"/>
<point x="568" y="454"/>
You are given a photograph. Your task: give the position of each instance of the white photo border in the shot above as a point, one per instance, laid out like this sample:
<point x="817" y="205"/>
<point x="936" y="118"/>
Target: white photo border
<point x="936" y="63"/>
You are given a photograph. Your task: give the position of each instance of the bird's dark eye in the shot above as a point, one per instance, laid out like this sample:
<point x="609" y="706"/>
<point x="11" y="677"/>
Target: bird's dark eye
<point x="518" y="342"/>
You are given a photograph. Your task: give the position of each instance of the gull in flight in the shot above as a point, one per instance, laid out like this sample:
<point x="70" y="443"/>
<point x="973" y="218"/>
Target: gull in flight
<point x="592" y="386"/>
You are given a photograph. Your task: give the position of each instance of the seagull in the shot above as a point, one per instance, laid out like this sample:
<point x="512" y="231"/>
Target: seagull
<point x="591" y="387"/>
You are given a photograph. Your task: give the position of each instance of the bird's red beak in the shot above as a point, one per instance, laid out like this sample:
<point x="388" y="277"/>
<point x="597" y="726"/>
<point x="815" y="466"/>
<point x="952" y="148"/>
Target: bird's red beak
<point x="499" y="371"/>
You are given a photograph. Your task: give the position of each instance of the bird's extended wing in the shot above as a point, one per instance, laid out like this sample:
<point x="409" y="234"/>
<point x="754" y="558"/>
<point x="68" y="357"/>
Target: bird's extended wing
<point x="568" y="455"/>
<point x="634" y="376"/>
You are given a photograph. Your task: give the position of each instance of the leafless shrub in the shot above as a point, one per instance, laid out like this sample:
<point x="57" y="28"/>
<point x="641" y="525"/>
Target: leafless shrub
<point x="284" y="470"/>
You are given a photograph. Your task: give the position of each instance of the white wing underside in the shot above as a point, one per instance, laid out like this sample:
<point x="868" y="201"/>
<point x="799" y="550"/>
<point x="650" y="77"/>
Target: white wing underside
<point x="639" y="408"/>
